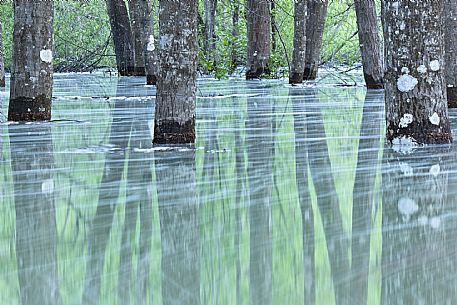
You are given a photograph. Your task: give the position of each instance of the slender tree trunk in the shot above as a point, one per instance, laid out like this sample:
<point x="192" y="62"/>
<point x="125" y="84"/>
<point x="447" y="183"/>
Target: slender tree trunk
<point x="299" y="53"/>
<point x="317" y="13"/>
<point x="273" y="25"/>
<point x="235" y="33"/>
<point x="137" y="13"/>
<point x="36" y="230"/>
<point x="2" y="59"/>
<point x="367" y="24"/>
<point x="259" y="36"/>
<point x="124" y="46"/>
<point x="31" y="78"/>
<point x="177" y="84"/>
<point x="150" y="49"/>
<point x="210" y="28"/>
<point x="451" y="51"/>
<point x="416" y="103"/>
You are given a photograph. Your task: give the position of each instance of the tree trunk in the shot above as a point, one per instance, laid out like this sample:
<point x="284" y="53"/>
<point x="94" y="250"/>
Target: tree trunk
<point x="2" y="62"/>
<point x="451" y="51"/>
<point x="150" y="50"/>
<point x="299" y="53"/>
<point x="369" y="43"/>
<point x="210" y="29"/>
<point x="177" y="84"/>
<point x="235" y="33"/>
<point x="137" y="12"/>
<point x="416" y="103"/>
<point x="273" y="25"/>
<point x="36" y="229"/>
<point x="258" y="30"/>
<point x="31" y="78"/>
<point x="317" y="13"/>
<point x="122" y="37"/>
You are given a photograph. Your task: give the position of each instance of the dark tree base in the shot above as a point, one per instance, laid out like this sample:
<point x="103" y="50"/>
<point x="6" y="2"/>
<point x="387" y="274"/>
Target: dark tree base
<point x="256" y="74"/>
<point x="296" y="78"/>
<point x="452" y="97"/>
<point x="372" y="83"/>
<point x="310" y="74"/>
<point x="171" y="132"/>
<point x="129" y="71"/>
<point x="151" y="80"/>
<point x="422" y="135"/>
<point x="2" y="83"/>
<point x="24" y="109"/>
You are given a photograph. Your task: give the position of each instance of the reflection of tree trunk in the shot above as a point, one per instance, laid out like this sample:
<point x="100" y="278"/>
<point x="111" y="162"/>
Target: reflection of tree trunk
<point x="108" y="196"/>
<point x="179" y="227"/>
<point x="301" y="171"/>
<point x="328" y="203"/>
<point x="260" y="154"/>
<point x="36" y="232"/>
<point x="415" y="261"/>
<point x="138" y="195"/>
<point x="363" y="195"/>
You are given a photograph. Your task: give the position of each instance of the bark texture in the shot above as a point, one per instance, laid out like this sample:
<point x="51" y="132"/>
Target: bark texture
<point x="369" y="43"/>
<point x="416" y="103"/>
<point x="177" y="84"/>
<point x="235" y="33"/>
<point x="137" y="12"/>
<point x="36" y="229"/>
<point x="121" y="30"/>
<point x="299" y="53"/>
<point x="149" y="44"/>
<point x="259" y="35"/>
<point x="317" y="12"/>
<point x="451" y="51"/>
<point x="210" y="28"/>
<point x="31" y="78"/>
<point x="2" y="60"/>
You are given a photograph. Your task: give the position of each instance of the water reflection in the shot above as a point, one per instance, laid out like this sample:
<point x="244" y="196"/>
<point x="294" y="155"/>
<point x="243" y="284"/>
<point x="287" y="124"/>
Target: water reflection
<point x="286" y="199"/>
<point x="36" y="233"/>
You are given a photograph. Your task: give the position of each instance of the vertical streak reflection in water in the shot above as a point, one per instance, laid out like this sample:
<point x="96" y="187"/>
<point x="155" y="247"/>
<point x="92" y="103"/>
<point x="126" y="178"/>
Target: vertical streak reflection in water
<point x="327" y="201"/>
<point x="260" y="158"/>
<point x="298" y="96"/>
<point x="36" y="232"/>
<point x="363" y="195"/>
<point x="179" y="227"/>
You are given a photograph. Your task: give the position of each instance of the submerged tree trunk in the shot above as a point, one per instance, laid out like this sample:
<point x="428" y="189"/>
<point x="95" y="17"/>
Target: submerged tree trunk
<point x="177" y="84"/>
<point x="369" y="43"/>
<point x="2" y="60"/>
<point x="317" y="12"/>
<point x="416" y="103"/>
<point x="122" y="36"/>
<point x="299" y="53"/>
<point x="31" y="78"/>
<point x="451" y="51"/>
<point x="210" y="29"/>
<point x="259" y="36"/>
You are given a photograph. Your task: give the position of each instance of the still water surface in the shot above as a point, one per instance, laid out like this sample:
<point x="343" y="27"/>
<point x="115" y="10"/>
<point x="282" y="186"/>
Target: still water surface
<point x="288" y="197"/>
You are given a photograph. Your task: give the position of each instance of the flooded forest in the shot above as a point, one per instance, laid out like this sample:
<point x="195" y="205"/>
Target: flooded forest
<point x="228" y="152"/>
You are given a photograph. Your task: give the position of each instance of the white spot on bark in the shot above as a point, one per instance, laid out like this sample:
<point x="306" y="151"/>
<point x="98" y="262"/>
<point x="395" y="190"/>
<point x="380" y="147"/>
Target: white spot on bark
<point x="435" y="65"/>
<point x="151" y="43"/>
<point x="405" y="70"/>
<point x="422" y="69"/>
<point x="435" y="119"/>
<point x="406" y="83"/>
<point x="406" y="120"/>
<point x="435" y="222"/>
<point x="435" y="170"/>
<point x="423" y="220"/>
<point x="404" y="144"/>
<point x="46" y="56"/>
<point x="407" y="207"/>
<point x="47" y="187"/>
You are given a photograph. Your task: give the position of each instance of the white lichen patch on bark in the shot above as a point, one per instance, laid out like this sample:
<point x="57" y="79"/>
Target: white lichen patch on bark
<point x="406" y="83"/>
<point x="435" y="170"/>
<point x="151" y="44"/>
<point x="435" y="65"/>
<point x="406" y="120"/>
<point x="435" y="119"/>
<point x="404" y="144"/>
<point x="422" y="69"/>
<point x="46" y="56"/>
